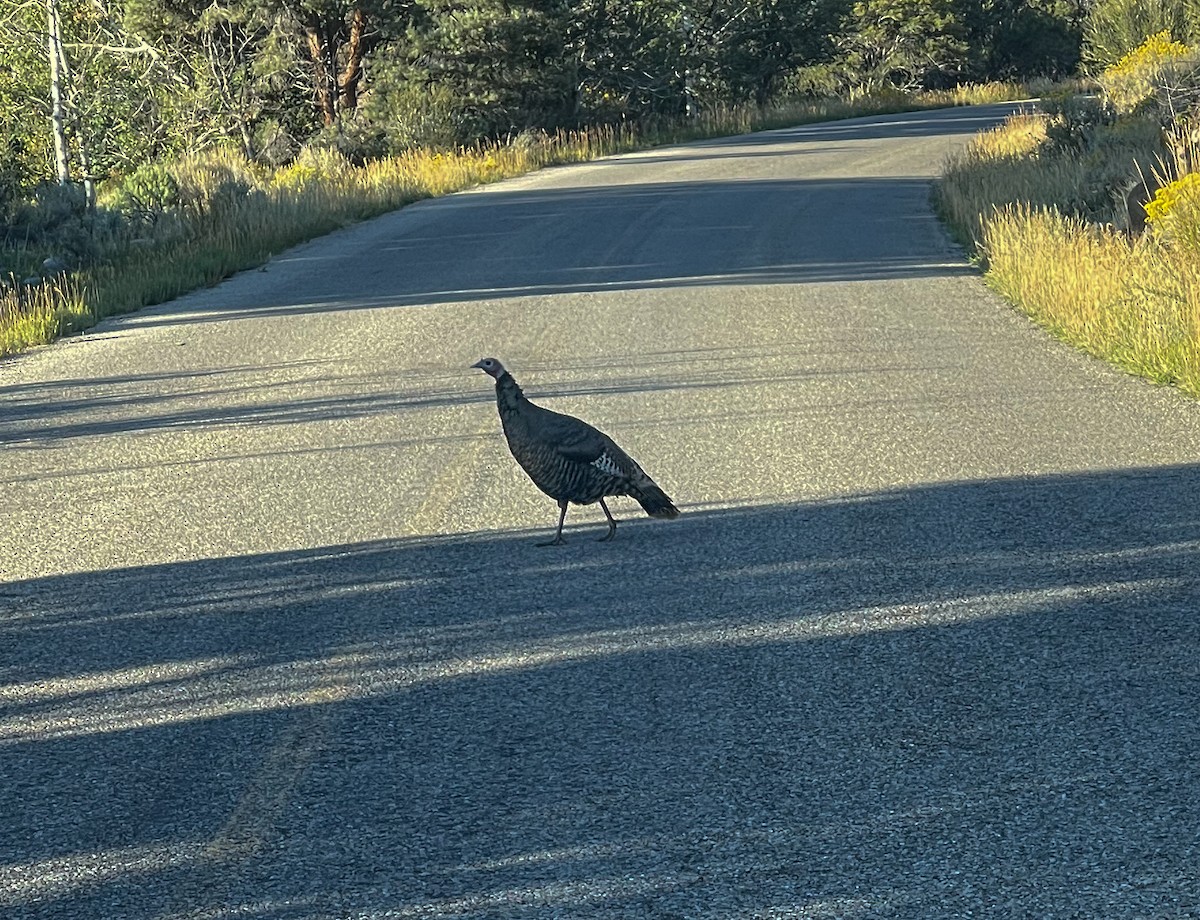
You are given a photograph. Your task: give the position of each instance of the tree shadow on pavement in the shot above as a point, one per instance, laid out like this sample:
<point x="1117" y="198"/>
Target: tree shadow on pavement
<point x="52" y="412"/>
<point x="651" y="236"/>
<point x="966" y="120"/>
<point x="963" y="697"/>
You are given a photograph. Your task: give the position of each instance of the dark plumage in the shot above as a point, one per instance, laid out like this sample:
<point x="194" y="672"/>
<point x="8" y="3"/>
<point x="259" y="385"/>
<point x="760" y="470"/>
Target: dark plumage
<point x="568" y="459"/>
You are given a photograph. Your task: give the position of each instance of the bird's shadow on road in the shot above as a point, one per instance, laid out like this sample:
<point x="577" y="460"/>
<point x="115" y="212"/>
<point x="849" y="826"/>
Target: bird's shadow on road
<point x="961" y="697"/>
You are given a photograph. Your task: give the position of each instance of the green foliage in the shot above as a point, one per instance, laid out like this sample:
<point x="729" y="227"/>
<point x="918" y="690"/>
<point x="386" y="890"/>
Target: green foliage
<point x="745" y="52"/>
<point x="1024" y="38"/>
<point x="401" y="115"/>
<point x="907" y="44"/>
<point x="500" y="66"/>
<point x="147" y="194"/>
<point x="25" y="152"/>
<point x="231" y="71"/>
<point x="153" y="79"/>
<point x="114" y="90"/>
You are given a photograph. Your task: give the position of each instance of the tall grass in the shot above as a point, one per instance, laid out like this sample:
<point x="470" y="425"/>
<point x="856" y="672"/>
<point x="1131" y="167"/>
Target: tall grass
<point x="227" y="215"/>
<point x="36" y="315"/>
<point x="1131" y="298"/>
<point x="1130" y="301"/>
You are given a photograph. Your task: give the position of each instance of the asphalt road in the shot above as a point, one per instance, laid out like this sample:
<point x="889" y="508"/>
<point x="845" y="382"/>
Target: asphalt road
<point x="276" y="642"/>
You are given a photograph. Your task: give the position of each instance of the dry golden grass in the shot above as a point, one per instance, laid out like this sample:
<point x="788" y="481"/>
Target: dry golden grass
<point x="1006" y="166"/>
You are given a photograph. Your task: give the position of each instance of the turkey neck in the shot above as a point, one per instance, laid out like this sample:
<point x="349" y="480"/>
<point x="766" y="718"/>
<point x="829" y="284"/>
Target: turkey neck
<point x="511" y="402"/>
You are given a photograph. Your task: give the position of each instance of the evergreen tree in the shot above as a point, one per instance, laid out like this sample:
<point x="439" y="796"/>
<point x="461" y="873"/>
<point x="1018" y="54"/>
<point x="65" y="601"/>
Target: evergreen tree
<point x="908" y="44"/>
<point x="1015" y="39"/>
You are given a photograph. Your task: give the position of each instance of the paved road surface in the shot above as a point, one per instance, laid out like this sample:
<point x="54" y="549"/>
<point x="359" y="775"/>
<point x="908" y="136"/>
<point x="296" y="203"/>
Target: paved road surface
<point x="275" y="641"/>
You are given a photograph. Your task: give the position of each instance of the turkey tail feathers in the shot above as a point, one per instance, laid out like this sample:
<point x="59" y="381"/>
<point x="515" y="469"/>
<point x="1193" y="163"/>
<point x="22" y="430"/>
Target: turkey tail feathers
<point x="654" y="501"/>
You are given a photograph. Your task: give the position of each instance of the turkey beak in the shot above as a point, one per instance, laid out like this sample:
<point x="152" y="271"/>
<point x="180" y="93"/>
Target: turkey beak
<point x="478" y="365"/>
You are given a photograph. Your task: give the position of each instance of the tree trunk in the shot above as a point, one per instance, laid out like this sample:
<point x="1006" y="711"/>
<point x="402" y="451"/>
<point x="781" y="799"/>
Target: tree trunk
<point x="58" y="110"/>
<point x="322" y="51"/>
<point x="85" y="164"/>
<point x="355" y="50"/>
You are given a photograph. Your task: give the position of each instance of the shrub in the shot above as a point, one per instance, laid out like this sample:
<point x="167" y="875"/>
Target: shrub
<point x="147" y="194"/>
<point x="57" y="222"/>
<point x="198" y="187"/>
<point x="1158" y="66"/>
<point x="15" y="176"/>
<point x="812" y="82"/>
<point x="414" y="116"/>
<point x="313" y="165"/>
<point x="1174" y="213"/>
<point x="1116" y="27"/>
<point x="214" y="183"/>
<point x="1072" y="120"/>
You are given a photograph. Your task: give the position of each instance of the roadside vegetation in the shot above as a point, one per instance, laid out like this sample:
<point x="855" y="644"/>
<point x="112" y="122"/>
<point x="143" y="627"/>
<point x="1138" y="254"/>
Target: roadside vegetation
<point x="1086" y="214"/>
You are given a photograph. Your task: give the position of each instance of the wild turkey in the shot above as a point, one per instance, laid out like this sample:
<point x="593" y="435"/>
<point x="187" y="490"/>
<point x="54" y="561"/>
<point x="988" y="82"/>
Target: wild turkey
<point x="568" y="459"/>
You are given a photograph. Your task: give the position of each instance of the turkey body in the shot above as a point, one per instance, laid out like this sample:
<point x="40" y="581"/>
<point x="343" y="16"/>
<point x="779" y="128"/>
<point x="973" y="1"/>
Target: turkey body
<point x="567" y="458"/>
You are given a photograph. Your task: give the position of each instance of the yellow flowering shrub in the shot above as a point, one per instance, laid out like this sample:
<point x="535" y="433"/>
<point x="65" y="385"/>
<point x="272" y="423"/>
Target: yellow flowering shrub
<point x="1174" y="212"/>
<point x="1167" y="198"/>
<point x="294" y="176"/>
<point x="1157" y="62"/>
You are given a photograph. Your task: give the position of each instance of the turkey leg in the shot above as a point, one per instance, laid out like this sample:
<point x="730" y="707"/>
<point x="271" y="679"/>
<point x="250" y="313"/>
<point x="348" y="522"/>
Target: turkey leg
<point x="562" y="516"/>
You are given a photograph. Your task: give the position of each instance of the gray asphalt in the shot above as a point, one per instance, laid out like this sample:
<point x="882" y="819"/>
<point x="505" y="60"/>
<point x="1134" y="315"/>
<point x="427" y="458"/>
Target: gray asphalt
<point x="276" y="642"/>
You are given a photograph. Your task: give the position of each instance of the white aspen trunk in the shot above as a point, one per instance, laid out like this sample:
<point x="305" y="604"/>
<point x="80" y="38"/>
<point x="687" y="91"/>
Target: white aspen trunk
<point x="57" y="106"/>
<point x="85" y="165"/>
<point x="73" y="118"/>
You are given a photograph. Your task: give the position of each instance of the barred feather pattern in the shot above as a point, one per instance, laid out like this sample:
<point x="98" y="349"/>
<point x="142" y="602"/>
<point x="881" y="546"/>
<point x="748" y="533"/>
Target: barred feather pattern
<point x="570" y="460"/>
